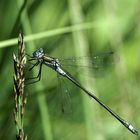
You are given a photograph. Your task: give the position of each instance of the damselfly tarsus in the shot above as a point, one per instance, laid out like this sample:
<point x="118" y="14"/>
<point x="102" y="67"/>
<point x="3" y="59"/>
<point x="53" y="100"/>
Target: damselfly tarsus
<point x="42" y="59"/>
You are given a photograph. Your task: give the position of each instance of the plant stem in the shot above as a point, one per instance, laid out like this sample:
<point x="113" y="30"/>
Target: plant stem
<point x="44" y="114"/>
<point x="19" y="96"/>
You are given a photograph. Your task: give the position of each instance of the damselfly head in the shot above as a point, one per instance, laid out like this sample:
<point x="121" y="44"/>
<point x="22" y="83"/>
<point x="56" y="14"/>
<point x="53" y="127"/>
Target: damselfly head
<point x="38" y="53"/>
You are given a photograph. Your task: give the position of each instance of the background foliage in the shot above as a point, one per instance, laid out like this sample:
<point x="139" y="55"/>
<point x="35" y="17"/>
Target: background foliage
<point x="101" y="26"/>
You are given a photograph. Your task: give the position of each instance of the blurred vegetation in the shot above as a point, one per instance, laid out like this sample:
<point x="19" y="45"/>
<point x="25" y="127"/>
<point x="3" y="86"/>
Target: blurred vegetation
<point x="67" y="29"/>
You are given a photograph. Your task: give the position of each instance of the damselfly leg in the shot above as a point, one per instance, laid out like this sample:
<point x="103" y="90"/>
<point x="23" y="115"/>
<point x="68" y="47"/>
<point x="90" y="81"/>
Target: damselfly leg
<point x="37" y="78"/>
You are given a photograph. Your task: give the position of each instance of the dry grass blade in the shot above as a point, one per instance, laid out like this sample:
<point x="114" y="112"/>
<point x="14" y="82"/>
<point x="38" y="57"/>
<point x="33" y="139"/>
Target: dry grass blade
<point x="19" y="96"/>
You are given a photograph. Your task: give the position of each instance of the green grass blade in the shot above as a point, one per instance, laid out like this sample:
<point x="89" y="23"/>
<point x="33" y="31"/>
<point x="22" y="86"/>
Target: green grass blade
<point x="45" y="34"/>
<point x="81" y="49"/>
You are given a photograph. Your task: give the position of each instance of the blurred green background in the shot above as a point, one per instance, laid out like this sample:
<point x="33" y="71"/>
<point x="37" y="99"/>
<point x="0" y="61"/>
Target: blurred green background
<point x="101" y="26"/>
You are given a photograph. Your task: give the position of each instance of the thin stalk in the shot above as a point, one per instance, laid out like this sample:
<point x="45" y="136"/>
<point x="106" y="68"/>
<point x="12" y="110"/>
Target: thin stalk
<point x="46" y="124"/>
<point x="19" y="95"/>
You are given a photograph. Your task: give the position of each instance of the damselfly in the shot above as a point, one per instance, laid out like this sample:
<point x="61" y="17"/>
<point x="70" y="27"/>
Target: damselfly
<point x="42" y="59"/>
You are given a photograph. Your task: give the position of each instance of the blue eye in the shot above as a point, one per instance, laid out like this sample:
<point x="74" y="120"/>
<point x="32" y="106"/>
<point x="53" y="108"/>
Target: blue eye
<point x="38" y="53"/>
<point x="35" y="54"/>
<point x="41" y="50"/>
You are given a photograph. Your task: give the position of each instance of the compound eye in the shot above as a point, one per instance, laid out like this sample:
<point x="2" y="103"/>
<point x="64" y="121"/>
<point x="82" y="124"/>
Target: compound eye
<point x="41" y="50"/>
<point x="38" y="53"/>
<point x="35" y="54"/>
